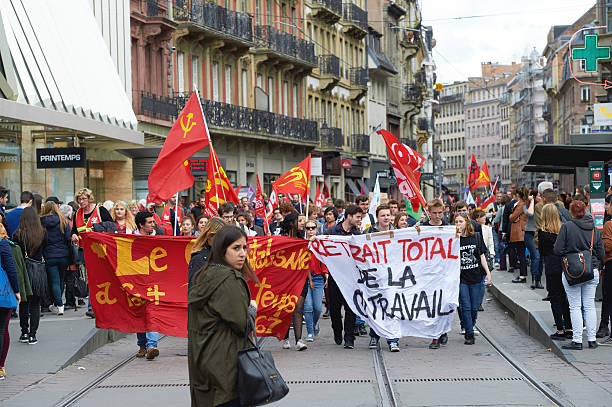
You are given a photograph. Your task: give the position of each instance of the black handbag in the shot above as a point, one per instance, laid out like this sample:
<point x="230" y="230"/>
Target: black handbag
<point x="80" y="287"/>
<point x="259" y="382"/>
<point x="578" y="267"/>
<point x="37" y="273"/>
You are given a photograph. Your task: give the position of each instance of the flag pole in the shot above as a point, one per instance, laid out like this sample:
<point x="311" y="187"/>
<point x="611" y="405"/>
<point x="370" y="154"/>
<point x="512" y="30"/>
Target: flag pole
<point x="175" y="213"/>
<point x="210" y="146"/>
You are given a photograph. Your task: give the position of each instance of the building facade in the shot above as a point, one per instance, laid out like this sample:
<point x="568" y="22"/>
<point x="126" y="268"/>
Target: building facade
<point x="450" y="126"/>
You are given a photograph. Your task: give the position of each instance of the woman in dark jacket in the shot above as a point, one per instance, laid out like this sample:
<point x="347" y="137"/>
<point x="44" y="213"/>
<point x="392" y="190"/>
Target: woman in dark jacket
<point x="547" y="236"/>
<point x="32" y="238"/>
<point x="57" y="252"/>
<point x="221" y="303"/>
<point x="576" y="236"/>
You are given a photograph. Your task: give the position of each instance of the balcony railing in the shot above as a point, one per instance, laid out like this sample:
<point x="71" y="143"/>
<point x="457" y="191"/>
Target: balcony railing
<point x="409" y="142"/>
<point x="157" y="107"/>
<point x="224" y="115"/>
<point x="360" y="143"/>
<point x="353" y="14"/>
<point x="285" y="43"/>
<point x="211" y="15"/>
<point x="331" y="137"/>
<point x="359" y="76"/>
<point x="333" y="5"/>
<point x="412" y="92"/>
<point x="329" y="65"/>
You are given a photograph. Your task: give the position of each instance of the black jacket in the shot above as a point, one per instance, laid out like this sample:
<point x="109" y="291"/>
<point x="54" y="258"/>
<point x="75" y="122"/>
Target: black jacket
<point x="507" y="212"/>
<point x="575" y="236"/>
<point x="198" y="259"/>
<point x="58" y="242"/>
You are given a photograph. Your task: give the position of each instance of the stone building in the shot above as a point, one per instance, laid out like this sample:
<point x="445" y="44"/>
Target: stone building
<point x="483" y="118"/>
<point x="450" y="126"/>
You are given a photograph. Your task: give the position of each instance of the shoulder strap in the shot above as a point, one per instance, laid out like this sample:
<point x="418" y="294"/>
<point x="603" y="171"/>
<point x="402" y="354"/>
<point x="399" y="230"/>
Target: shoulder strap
<point x="592" y="237"/>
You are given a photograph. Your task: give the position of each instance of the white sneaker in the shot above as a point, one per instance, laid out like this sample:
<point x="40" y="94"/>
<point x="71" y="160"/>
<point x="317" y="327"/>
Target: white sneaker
<point x="496" y="265"/>
<point x="300" y="345"/>
<point x="53" y="308"/>
<point x="60" y="310"/>
<point x="286" y="344"/>
<point x="310" y="338"/>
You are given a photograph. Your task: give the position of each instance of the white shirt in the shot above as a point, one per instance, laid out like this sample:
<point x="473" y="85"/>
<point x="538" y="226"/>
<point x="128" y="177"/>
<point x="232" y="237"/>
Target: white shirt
<point x="487" y="236"/>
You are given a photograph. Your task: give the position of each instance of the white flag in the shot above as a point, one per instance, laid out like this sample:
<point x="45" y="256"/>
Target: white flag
<point x="375" y="201"/>
<point x="470" y="199"/>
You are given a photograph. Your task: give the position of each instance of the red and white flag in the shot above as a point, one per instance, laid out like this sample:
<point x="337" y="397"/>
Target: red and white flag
<point x="319" y="198"/>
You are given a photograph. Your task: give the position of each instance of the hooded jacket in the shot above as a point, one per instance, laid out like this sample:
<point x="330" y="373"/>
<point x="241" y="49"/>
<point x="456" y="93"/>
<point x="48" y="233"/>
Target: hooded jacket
<point x="219" y="301"/>
<point x="575" y="236"/>
<point x="58" y="242"/>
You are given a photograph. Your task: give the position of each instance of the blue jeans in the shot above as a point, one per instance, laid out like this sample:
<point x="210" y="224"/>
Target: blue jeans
<point x="56" y="269"/>
<point x="313" y="303"/>
<point x="534" y="255"/>
<point x="581" y="298"/>
<point x="358" y="321"/>
<point x="147" y="339"/>
<point x="470" y="296"/>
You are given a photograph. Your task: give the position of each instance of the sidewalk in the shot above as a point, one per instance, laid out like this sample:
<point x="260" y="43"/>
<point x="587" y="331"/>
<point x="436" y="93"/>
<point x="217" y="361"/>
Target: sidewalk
<point x="61" y="341"/>
<point x="535" y="317"/>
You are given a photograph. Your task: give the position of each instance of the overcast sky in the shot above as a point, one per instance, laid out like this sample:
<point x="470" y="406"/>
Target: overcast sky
<point x="514" y="29"/>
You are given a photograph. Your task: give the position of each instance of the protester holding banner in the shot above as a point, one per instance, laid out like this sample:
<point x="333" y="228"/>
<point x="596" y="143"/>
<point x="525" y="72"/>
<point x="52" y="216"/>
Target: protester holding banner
<point x="32" y="238"/>
<point x="123" y="218"/>
<point x="221" y="306"/>
<point x="351" y="225"/>
<point x="435" y="209"/>
<point x="383" y="224"/>
<point x="313" y="303"/>
<point x="9" y="275"/>
<point x="188" y="227"/>
<point x="57" y="252"/>
<point x="473" y="268"/>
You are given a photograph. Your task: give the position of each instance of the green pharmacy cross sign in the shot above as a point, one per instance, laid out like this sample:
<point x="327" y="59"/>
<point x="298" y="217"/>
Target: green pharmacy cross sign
<point x="591" y="53"/>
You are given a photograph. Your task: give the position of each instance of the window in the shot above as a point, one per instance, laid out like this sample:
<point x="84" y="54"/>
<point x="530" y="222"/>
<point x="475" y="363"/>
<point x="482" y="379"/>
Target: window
<point x="584" y="127"/>
<point x="194" y="72"/>
<point x="180" y="70"/>
<point x="228" y="84"/>
<point x="285" y="98"/>
<point x="271" y="93"/>
<point x="245" y="95"/>
<point x="585" y="93"/>
<point x="215" y="81"/>
<point x="268" y="180"/>
<point x="295" y="100"/>
<point x="583" y="64"/>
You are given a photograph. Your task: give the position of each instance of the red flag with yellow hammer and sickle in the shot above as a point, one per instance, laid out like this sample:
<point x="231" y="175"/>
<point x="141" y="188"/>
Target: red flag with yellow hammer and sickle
<point x="296" y="180"/>
<point x="218" y="187"/>
<point x="171" y="172"/>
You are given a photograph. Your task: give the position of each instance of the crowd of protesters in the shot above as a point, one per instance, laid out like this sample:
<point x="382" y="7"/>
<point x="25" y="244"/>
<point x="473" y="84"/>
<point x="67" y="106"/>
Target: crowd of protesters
<point x="523" y="230"/>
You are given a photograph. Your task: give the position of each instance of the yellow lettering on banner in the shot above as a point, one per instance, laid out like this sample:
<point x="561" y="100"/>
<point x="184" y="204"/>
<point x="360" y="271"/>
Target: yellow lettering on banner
<point x="99" y="249"/>
<point x="262" y="287"/>
<point x="102" y="295"/>
<point x="133" y="300"/>
<point x="125" y="265"/>
<point x="156" y="254"/>
<point x="154" y="292"/>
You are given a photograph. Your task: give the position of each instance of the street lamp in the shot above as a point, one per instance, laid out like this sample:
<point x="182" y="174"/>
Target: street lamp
<point x="588" y="116"/>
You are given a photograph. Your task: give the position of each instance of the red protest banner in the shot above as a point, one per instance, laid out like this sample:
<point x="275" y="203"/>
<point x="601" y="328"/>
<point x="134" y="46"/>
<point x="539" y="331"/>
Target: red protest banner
<point x="139" y="283"/>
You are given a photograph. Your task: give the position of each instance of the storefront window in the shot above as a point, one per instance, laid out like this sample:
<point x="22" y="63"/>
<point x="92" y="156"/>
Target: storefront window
<point x="10" y="174"/>
<point x="60" y="183"/>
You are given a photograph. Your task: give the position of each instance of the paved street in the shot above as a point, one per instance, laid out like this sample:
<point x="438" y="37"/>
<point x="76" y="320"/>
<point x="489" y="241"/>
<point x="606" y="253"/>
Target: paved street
<point x="455" y="375"/>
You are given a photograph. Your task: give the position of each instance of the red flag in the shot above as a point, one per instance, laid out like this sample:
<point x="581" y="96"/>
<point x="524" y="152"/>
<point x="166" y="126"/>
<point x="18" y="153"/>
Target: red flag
<point x="296" y="180"/>
<point x="404" y="165"/>
<point x="478" y="201"/>
<point x="260" y="206"/>
<point x="326" y="189"/>
<point x="483" y="179"/>
<point x="272" y="204"/>
<point x="238" y="189"/>
<point x="188" y="135"/>
<point x="319" y="198"/>
<point x="218" y="188"/>
<point x="473" y="173"/>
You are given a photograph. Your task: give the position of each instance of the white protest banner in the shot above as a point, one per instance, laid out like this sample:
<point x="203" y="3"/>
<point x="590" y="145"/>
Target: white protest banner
<point x="403" y="283"/>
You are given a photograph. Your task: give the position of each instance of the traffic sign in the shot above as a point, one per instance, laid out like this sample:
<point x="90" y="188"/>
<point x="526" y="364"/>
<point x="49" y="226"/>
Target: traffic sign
<point x="596" y="171"/>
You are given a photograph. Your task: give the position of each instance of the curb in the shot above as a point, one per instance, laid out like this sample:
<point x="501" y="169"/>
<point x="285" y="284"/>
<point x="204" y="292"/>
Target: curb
<point x="95" y="338"/>
<point x="531" y="323"/>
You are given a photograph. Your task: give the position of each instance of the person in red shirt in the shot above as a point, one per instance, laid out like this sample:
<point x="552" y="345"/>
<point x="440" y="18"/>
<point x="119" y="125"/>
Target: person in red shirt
<point x="123" y="218"/>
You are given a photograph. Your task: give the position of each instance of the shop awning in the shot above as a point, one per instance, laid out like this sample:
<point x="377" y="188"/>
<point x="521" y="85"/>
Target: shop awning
<point x="549" y="169"/>
<point x="54" y="58"/>
<point x="352" y="186"/>
<point x="565" y="155"/>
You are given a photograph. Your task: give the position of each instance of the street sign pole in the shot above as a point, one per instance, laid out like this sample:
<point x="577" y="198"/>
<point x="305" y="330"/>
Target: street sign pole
<point x="597" y="182"/>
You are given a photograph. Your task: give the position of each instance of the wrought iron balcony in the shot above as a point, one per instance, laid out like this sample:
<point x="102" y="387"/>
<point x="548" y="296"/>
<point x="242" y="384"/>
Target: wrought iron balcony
<point x="360" y="144"/>
<point x="412" y="92"/>
<point x="285" y="45"/>
<point x="329" y="11"/>
<point x="356" y="20"/>
<point x="329" y="65"/>
<point x="237" y="118"/>
<point x="331" y="137"/>
<point x="359" y="77"/>
<point x="409" y="142"/>
<point x="217" y="20"/>
<point x="154" y="106"/>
